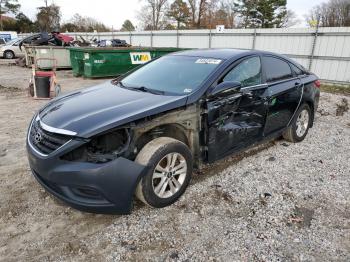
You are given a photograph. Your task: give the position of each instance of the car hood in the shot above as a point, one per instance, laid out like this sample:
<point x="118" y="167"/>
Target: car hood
<point x="93" y="110"/>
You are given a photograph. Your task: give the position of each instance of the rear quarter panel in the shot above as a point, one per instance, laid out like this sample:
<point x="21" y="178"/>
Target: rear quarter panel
<point x="311" y="94"/>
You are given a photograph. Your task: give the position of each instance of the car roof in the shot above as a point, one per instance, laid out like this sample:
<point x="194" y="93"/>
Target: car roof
<point x="218" y="53"/>
<point x="227" y="53"/>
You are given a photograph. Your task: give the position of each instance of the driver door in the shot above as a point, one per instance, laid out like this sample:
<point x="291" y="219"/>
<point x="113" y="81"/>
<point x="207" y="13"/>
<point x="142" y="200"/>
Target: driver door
<point x="236" y="119"/>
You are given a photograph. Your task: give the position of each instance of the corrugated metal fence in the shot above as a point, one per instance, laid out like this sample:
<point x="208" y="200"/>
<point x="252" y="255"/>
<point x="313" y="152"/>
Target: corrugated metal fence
<point x="325" y="51"/>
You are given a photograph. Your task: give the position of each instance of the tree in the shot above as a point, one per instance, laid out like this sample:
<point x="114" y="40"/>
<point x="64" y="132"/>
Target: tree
<point x="179" y="12"/>
<point x="331" y="14"/>
<point x="69" y="27"/>
<point x="153" y="13"/>
<point x="24" y="24"/>
<point x="127" y="26"/>
<point x="48" y="18"/>
<point x="290" y="19"/>
<point x="79" y="23"/>
<point x="265" y="13"/>
<point x="9" y="23"/>
<point x="8" y="6"/>
<point x="226" y="13"/>
<point x="197" y="11"/>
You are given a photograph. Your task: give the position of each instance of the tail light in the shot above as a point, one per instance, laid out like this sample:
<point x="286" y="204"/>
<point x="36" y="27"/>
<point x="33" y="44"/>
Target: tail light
<point x="317" y="83"/>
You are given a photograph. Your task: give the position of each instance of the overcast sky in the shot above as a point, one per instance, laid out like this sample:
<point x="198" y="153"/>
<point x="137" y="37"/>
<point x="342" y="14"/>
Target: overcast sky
<point x="115" y="12"/>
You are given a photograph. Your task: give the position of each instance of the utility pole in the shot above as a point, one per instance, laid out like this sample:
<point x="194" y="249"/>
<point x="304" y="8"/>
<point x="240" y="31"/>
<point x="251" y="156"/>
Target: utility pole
<point x="314" y="42"/>
<point x="1" y="25"/>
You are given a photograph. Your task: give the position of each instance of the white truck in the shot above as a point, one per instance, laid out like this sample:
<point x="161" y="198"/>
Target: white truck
<point x="6" y="36"/>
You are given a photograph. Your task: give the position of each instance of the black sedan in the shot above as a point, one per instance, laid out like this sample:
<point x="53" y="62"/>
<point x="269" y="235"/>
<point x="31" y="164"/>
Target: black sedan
<point x="143" y="133"/>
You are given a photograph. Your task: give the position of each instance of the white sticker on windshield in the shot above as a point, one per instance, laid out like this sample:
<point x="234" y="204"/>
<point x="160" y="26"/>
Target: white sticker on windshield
<point x="208" y="61"/>
<point x="187" y="90"/>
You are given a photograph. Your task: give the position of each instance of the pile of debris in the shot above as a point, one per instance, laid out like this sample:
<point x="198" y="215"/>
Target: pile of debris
<point x="63" y="40"/>
<point x="111" y="43"/>
<point x="59" y="39"/>
<point x="54" y="38"/>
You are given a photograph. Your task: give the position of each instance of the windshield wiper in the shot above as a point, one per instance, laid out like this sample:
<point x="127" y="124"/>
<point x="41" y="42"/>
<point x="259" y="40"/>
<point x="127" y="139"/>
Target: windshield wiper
<point x="149" y="90"/>
<point x="142" y="89"/>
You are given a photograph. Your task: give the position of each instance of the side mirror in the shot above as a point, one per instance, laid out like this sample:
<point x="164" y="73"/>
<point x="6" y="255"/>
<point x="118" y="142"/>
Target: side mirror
<point x="232" y="86"/>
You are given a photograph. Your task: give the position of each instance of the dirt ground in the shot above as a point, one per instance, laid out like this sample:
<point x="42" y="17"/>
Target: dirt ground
<point x="277" y="202"/>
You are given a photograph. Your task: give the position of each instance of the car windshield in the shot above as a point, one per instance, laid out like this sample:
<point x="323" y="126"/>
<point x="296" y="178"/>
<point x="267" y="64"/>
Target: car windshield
<point x="11" y="42"/>
<point x="174" y="75"/>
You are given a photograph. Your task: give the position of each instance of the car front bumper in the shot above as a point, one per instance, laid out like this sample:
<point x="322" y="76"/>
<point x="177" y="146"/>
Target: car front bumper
<point x="98" y="188"/>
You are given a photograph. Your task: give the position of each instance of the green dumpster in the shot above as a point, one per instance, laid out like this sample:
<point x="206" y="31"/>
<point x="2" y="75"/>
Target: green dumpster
<point x="104" y="62"/>
<point x="77" y="61"/>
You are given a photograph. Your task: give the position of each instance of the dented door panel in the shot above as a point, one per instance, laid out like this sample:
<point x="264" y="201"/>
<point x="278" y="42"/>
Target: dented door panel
<point x="235" y="122"/>
<point x="283" y="101"/>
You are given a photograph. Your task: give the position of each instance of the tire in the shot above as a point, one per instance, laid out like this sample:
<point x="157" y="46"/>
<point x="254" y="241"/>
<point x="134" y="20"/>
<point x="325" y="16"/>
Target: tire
<point x="297" y="131"/>
<point x="158" y="188"/>
<point x="31" y="89"/>
<point x="9" y="54"/>
<point x="57" y="90"/>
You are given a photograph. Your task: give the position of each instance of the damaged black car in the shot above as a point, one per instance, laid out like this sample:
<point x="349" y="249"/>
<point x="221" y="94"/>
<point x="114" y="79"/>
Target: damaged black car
<point x="143" y="133"/>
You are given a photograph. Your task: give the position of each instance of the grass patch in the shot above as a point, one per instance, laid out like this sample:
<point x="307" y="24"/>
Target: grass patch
<point x="336" y="89"/>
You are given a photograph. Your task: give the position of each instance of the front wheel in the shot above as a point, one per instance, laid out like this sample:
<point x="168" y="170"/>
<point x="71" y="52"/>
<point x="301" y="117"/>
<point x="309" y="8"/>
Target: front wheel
<point x="170" y="170"/>
<point x="300" y="125"/>
<point x="9" y="55"/>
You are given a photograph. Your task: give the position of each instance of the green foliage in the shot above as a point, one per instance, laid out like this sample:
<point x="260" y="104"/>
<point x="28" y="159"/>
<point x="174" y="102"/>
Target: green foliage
<point x="8" y="6"/>
<point x="127" y="26"/>
<point x="24" y="24"/>
<point x="263" y="13"/>
<point x="9" y="25"/>
<point x="69" y="27"/>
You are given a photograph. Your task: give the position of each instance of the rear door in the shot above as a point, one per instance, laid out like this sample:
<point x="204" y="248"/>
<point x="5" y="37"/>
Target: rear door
<point x="284" y="93"/>
<point x="236" y="119"/>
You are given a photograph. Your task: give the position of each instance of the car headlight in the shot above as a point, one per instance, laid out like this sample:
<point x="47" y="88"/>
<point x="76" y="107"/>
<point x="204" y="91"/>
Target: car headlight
<point x="102" y="148"/>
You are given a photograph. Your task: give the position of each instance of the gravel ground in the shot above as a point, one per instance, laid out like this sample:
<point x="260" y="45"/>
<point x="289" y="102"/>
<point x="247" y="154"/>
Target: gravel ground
<point x="279" y="201"/>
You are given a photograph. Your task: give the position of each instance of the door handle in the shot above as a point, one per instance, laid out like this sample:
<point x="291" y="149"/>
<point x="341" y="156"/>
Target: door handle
<point x="249" y="94"/>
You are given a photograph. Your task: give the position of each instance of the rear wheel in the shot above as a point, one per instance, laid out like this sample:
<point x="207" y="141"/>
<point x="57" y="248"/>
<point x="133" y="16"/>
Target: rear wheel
<point x="57" y="90"/>
<point x="31" y="89"/>
<point x="170" y="170"/>
<point x="300" y="125"/>
<point x="9" y="54"/>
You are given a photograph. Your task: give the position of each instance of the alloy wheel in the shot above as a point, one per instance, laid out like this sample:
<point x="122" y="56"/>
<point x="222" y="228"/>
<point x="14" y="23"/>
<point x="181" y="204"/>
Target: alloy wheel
<point x="169" y="175"/>
<point x="302" y="123"/>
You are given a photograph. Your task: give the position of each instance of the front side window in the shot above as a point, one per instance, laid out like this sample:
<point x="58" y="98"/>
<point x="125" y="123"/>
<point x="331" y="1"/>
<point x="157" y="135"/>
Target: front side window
<point x="276" y="69"/>
<point x="248" y="72"/>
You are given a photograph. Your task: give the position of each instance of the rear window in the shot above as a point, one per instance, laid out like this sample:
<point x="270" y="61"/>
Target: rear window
<point x="276" y="69"/>
<point x="296" y="70"/>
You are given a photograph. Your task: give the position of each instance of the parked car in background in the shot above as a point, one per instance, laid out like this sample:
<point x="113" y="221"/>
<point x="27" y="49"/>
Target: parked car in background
<point x="11" y="49"/>
<point x="2" y="41"/>
<point x="144" y="132"/>
<point x="8" y="35"/>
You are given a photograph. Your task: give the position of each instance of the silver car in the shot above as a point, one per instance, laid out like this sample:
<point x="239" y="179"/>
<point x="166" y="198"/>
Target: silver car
<point x="11" y="49"/>
<point x="2" y="42"/>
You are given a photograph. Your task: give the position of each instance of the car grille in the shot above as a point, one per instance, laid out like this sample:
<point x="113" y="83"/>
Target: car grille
<point x="44" y="141"/>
